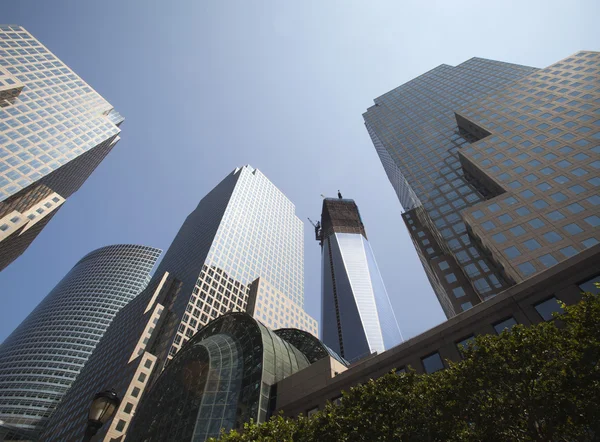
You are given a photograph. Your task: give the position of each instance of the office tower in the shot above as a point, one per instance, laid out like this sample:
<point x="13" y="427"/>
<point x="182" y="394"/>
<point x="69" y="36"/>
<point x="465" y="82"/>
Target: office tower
<point x="43" y="356"/>
<point x="222" y="378"/>
<point x="243" y="229"/>
<point x="54" y="131"/>
<point x="356" y="313"/>
<point x="276" y="310"/>
<point x="496" y="166"/>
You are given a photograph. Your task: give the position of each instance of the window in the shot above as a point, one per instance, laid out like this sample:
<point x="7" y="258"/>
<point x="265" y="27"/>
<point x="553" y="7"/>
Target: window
<point x="526" y="268"/>
<point x="555" y="215"/>
<point x="432" y="363"/>
<point x="120" y="425"/>
<point x="575" y="208"/>
<point x="512" y="252"/>
<point x="593" y="220"/>
<point x="506" y="218"/>
<point x="135" y="392"/>
<point x="312" y="411"/>
<point x="451" y="278"/>
<point x="488" y="225"/>
<point x="459" y="292"/>
<point x="548" y="260"/>
<point x="569" y="251"/>
<point x="536" y="223"/>
<point x="506" y="324"/>
<point x="499" y="238"/>
<point x="338" y="399"/>
<point x="148" y="363"/>
<point x="128" y="408"/>
<point x="548" y="307"/>
<point x="464" y="343"/>
<point x="552" y="237"/>
<point x="517" y="230"/>
<point x="590" y="285"/>
<point x="466" y="306"/>
<point x="573" y="229"/>
<point x="532" y="244"/>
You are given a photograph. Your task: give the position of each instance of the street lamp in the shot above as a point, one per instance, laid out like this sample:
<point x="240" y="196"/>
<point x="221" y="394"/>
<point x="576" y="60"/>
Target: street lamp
<point x="102" y="409"/>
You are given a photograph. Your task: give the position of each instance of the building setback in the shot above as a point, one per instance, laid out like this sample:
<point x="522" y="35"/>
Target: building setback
<point x="356" y="314"/>
<point x="496" y="166"/>
<point x="54" y="131"/>
<point x="44" y="355"/>
<point x="243" y="230"/>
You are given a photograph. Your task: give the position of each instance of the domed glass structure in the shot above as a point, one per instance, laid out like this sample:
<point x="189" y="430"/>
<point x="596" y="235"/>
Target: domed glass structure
<point x="221" y="379"/>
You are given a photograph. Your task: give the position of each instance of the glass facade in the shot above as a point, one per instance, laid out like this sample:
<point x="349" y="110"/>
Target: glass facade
<point x="54" y="131"/>
<point x="221" y="379"/>
<point x="242" y="231"/>
<point x="414" y="130"/>
<point x="40" y="360"/>
<point x="357" y="315"/>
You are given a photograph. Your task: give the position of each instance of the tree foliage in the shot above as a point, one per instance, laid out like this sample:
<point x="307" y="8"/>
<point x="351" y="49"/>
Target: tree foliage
<point x="537" y="383"/>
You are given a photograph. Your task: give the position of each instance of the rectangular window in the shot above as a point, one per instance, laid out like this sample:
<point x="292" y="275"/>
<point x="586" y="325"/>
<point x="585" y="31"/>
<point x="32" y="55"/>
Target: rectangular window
<point x="142" y="377"/>
<point x="432" y="363"/>
<point x="121" y="425"/>
<point x="148" y="363"/>
<point x="464" y="343"/>
<point x="548" y="307"/>
<point x="312" y="411"/>
<point x="590" y="285"/>
<point x="506" y="324"/>
<point x="128" y="408"/>
<point x="135" y="392"/>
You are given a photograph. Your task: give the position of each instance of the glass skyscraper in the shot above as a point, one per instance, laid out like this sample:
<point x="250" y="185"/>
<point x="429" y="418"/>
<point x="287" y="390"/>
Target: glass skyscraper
<point x="496" y="166"/>
<point x="54" y="131"/>
<point x="243" y="230"/>
<point x="356" y="315"/>
<point x="44" y="355"/>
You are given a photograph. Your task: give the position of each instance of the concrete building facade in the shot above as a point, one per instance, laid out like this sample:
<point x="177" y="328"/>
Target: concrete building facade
<point x="496" y="168"/>
<point x="54" y="131"/>
<point x="531" y="302"/>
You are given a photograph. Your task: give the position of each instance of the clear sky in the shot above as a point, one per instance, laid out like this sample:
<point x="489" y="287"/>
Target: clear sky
<point x="206" y="86"/>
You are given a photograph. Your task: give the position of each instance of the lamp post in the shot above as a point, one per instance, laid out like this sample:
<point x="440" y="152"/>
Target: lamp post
<point x="103" y="407"/>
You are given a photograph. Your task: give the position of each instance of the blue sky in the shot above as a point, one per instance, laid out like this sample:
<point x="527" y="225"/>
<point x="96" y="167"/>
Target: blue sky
<point x="206" y="86"/>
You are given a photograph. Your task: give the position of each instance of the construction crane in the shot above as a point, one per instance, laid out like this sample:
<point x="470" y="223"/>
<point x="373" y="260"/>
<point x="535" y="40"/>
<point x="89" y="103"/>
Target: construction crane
<point x="318" y="231"/>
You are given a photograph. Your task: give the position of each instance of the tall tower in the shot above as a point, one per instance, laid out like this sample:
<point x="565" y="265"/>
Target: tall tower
<point x="496" y="166"/>
<point x="44" y="355"/>
<point x="54" y="131"/>
<point x="241" y="249"/>
<point x="356" y="315"/>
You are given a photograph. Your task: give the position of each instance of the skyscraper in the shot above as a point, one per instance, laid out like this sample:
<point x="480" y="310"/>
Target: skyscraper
<point x="243" y="229"/>
<point x="496" y="167"/>
<point x="54" y="131"/>
<point x="43" y="356"/>
<point x="356" y="314"/>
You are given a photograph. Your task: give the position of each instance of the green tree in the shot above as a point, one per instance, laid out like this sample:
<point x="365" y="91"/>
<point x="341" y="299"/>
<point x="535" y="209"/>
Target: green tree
<point x="537" y="383"/>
